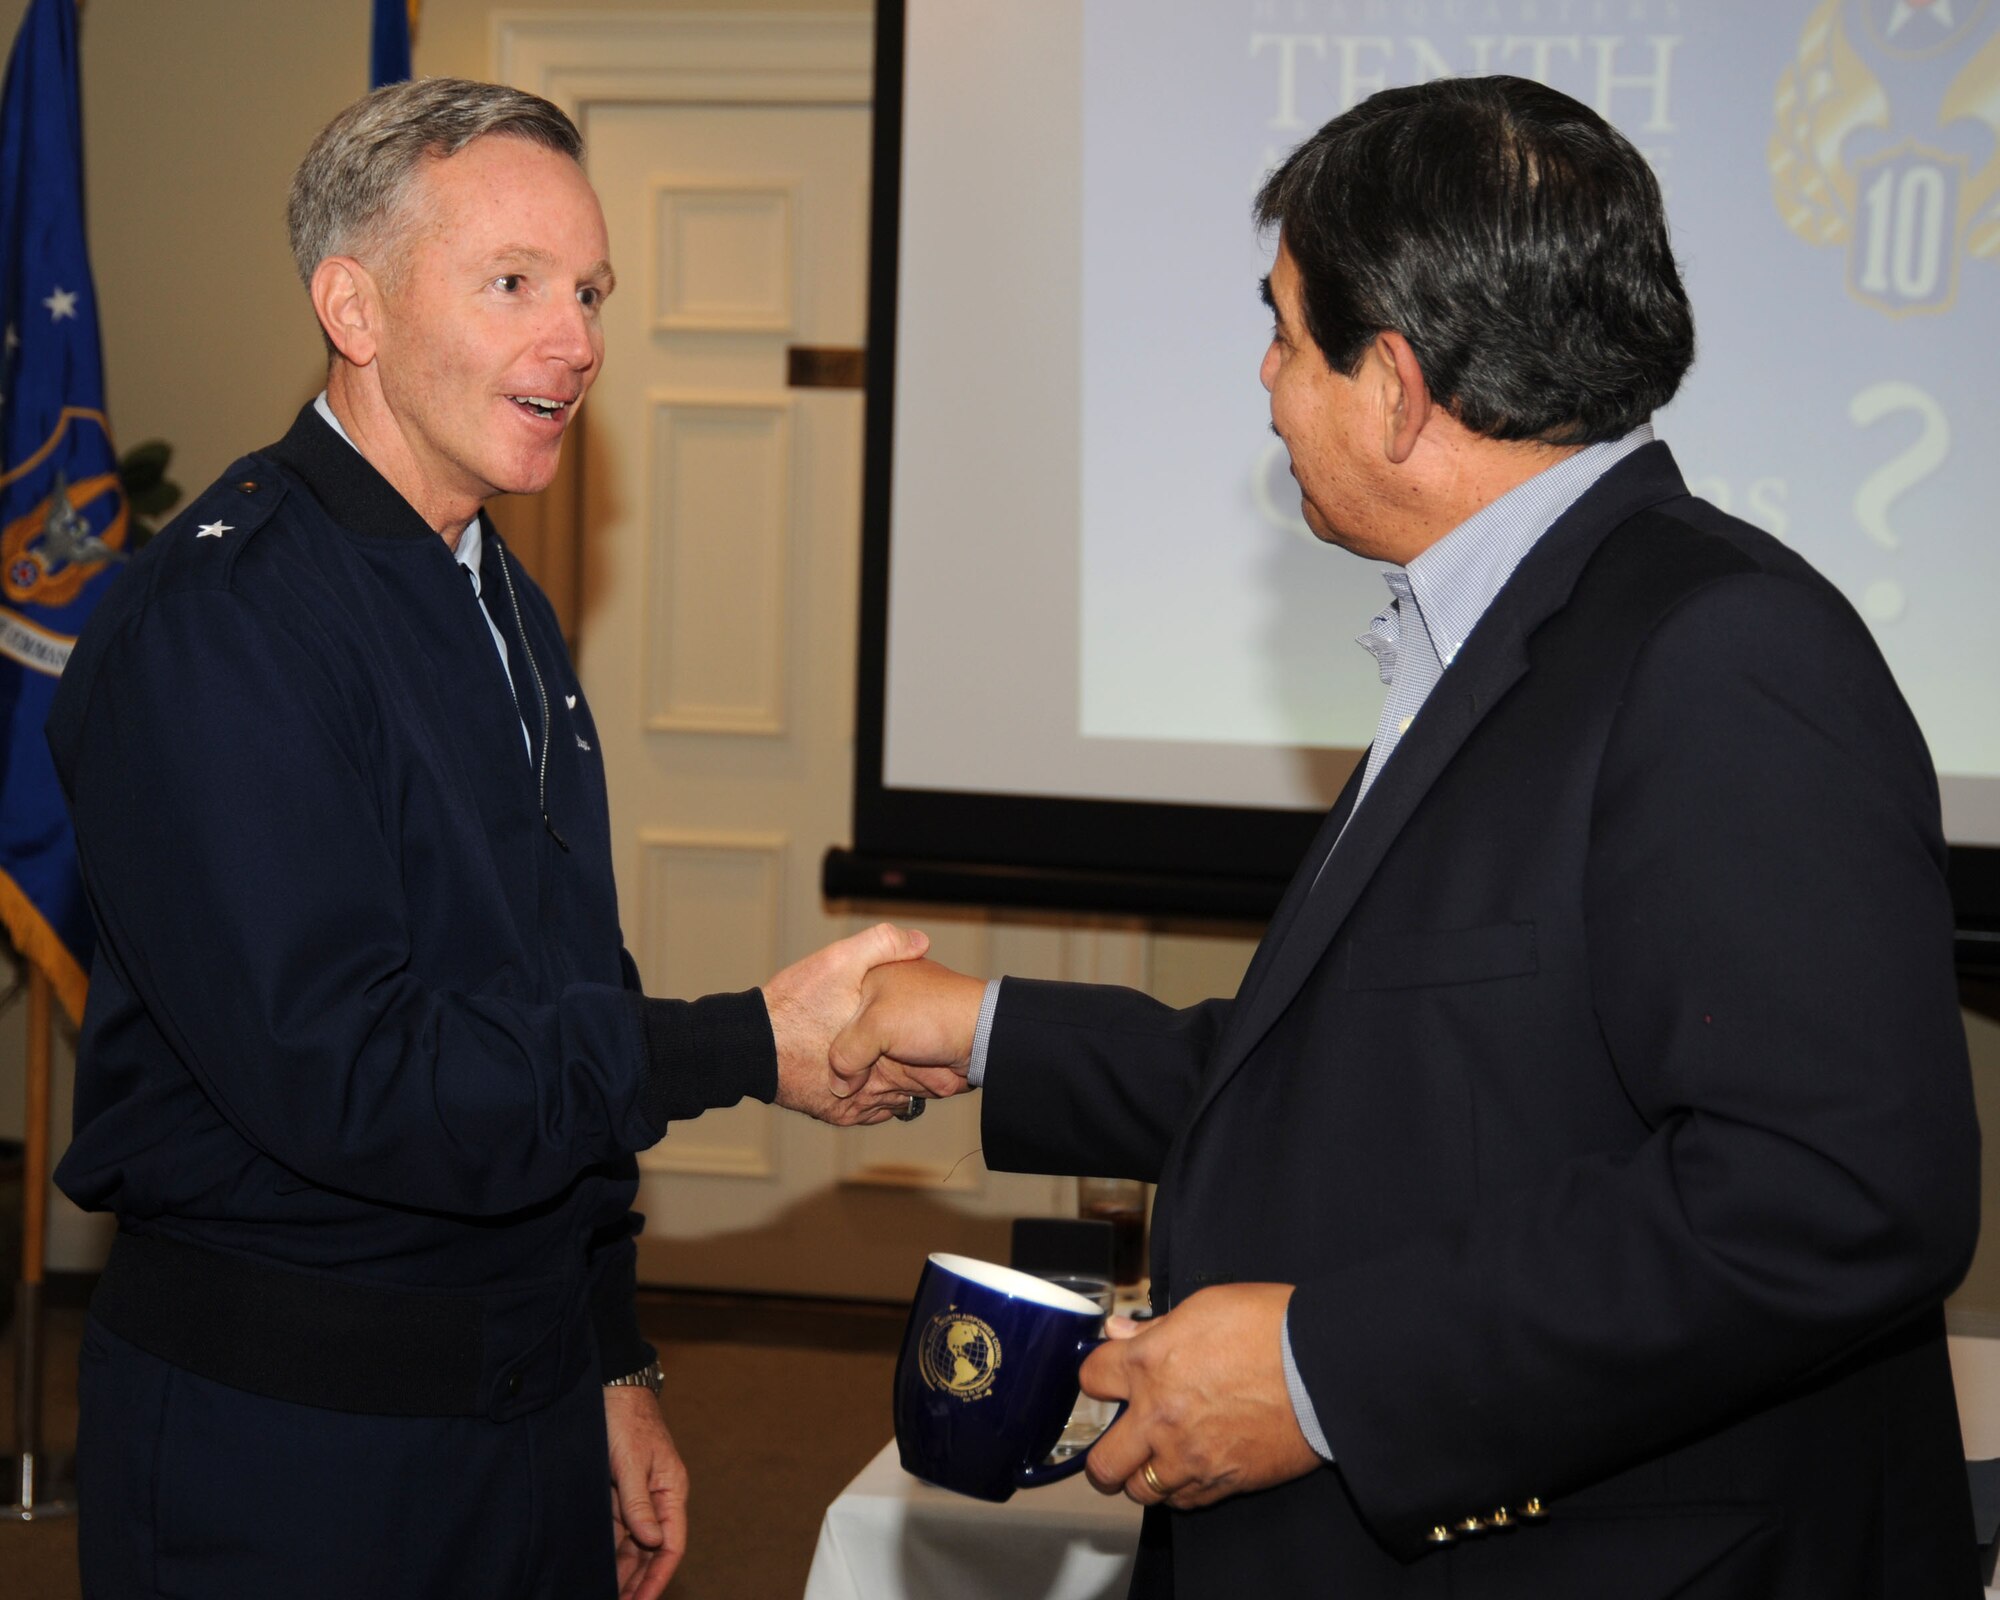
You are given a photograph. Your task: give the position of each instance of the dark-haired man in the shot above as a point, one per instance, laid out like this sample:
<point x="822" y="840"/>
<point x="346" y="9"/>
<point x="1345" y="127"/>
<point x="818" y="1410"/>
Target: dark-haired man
<point x="365" y="1062"/>
<point x="1562" y="1208"/>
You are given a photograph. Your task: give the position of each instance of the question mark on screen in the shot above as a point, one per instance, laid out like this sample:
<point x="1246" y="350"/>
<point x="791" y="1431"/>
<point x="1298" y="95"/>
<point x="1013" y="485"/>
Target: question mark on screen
<point x="1884" y="600"/>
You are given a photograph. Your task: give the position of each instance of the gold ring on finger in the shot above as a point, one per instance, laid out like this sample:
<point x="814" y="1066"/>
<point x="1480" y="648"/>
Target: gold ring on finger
<point x="1153" y="1480"/>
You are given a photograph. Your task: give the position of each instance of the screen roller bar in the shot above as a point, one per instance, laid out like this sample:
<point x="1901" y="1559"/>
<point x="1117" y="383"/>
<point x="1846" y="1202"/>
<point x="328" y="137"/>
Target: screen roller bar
<point x="851" y="875"/>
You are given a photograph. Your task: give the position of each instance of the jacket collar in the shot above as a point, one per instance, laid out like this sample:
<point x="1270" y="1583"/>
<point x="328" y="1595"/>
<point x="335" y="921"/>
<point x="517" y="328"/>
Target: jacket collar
<point x="1495" y="656"/>
<point x="343" y="480"/>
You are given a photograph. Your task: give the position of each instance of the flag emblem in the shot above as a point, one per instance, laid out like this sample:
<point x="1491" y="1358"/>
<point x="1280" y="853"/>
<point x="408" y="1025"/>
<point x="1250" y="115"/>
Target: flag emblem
<point x="73" y="525"/>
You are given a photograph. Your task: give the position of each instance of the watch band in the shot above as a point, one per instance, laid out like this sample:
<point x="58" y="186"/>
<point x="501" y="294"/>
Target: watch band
<point x="647" y="1377"/>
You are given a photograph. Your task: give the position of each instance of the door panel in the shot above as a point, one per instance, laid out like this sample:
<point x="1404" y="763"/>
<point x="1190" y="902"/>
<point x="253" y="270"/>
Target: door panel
<point x="720" y="553"/>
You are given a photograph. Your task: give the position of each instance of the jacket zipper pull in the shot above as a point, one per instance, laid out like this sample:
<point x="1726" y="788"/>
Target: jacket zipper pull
<point x="541" y="693"/>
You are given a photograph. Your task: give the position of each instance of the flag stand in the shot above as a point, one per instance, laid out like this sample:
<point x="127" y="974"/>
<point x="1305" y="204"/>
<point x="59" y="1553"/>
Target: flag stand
<point x="41" y="1481"/>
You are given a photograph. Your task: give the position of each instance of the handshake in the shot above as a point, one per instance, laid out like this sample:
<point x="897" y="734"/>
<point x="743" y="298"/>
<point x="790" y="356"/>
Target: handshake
<point x="867" y="1030"/>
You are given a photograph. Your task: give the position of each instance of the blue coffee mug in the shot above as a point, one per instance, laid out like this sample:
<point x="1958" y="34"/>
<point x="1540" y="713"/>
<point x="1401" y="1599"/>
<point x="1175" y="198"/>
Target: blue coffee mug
<point x="988" y="1377"/>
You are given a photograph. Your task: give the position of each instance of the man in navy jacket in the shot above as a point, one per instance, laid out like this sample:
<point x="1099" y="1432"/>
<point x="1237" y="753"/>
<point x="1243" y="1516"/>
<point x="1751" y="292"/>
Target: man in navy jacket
<point x="1563" y="1206"/>
<point x="365" y="1061"/>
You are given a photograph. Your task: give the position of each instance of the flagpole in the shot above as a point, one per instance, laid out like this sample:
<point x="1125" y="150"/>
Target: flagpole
<point x="39" y="1493"/>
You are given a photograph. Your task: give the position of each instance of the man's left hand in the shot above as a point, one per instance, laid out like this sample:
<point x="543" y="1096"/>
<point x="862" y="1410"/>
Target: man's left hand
<point x="1209" y="1411"/>
<point x="649" y="1493"/>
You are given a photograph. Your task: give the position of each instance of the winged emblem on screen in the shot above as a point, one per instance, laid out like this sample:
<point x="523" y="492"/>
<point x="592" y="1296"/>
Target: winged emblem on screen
<point x="1909" y="211"/>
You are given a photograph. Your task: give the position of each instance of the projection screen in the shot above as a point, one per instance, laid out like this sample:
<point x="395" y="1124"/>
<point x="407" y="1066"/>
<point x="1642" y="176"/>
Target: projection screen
<point x="1100" y="642"/>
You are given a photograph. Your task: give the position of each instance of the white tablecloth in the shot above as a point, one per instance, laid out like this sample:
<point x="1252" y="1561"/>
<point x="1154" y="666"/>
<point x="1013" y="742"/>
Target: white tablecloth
<point x="890" y="1537"/>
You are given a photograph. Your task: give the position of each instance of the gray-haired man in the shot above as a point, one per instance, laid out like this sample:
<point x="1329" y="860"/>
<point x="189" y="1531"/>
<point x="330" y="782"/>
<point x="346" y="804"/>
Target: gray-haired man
<point x="365" y="1060"/>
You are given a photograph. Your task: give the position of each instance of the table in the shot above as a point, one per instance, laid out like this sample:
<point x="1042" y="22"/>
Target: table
<point x="890" y="1537"/>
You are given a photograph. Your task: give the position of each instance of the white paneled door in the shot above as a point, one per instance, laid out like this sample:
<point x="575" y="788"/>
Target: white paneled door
<point x="716" y="616"/>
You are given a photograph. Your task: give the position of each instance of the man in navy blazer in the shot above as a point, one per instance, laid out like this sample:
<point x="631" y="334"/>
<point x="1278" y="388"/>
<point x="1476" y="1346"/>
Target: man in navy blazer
<point x="1564" y="1204"/>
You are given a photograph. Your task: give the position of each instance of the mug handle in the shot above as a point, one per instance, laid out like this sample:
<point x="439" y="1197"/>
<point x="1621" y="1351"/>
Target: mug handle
<point x="1037" y="1473"/>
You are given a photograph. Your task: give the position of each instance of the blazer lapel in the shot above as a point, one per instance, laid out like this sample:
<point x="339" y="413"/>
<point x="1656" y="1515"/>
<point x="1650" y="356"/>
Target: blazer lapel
<point x="1489" y="664"/>
<point x="1469" y="688"/>
<point x="1278" y="930"/>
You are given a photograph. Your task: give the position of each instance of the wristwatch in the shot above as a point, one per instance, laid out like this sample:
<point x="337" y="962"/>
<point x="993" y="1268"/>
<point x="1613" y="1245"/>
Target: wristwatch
<point x="647" y="1377"/>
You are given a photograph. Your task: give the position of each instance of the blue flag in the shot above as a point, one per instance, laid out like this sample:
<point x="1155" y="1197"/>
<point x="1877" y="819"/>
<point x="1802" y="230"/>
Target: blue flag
<point x="389" y="49"/>
<point x="63" y="515"/>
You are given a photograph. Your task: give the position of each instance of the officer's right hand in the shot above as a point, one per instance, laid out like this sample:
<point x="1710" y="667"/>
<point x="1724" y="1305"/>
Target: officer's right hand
<point x="811" y="1001"/>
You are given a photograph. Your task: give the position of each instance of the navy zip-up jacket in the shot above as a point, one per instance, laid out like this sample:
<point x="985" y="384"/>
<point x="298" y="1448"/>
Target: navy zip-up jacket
<point x="360" y="1004"/>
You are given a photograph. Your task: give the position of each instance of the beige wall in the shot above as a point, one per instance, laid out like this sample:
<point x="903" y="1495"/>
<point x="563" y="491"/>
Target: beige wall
<point x="194" y="113"/>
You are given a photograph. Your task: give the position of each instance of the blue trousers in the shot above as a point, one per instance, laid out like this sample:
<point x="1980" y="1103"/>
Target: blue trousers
<point x="191" y="1490"/>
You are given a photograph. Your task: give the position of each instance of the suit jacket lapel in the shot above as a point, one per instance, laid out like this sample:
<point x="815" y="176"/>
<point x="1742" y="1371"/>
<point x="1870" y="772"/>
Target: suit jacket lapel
<point x="1488" y="665"/>
<point x="1278" y="930"/>
<point x="1469" y="688"/>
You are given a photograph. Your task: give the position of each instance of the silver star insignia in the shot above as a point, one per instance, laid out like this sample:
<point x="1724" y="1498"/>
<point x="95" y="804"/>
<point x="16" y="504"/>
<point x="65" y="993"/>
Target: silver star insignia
<point x="61" y="304"/>
<point x="213" y="530"/>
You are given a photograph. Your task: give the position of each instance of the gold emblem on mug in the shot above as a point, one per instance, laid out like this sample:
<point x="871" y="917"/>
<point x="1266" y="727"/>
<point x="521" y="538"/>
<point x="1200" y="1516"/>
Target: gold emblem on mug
<point x="960" y="1354"/>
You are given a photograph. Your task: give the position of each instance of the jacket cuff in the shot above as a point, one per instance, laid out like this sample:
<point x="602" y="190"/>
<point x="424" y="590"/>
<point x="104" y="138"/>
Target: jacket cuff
<point x="702" y="1055"/>
<point x="614" y="1316"/>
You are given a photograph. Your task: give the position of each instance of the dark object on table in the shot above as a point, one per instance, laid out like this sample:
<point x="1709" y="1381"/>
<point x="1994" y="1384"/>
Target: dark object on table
<point x="1122" y="1203"/>
<point x="1069" y="1247"/>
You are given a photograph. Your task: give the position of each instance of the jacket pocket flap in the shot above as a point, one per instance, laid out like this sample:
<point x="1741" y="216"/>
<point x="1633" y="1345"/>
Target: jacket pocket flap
<point x="1449" y="955"/>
